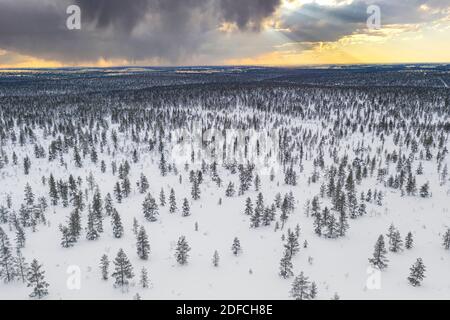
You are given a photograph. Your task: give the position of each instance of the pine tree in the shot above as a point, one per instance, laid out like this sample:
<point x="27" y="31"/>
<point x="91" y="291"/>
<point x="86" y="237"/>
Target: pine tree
<point x="162" y="198"/>
<point x="21" y="266"/>
<point x="248" y="207"/>
<point x="292" y="246"/>
<point x="186" y="209"/>
<point x="118" y="192"/>
<point x="395" y="240"/>
<point x="286" y="265"/>
<point x="143" y="184"/>
<point x="313" y="291"/>
<point x="150" y="208"/>
<point x="379" y="259"/>
<point x="53" y="190"/>
<point x="108" y="204"/>
<point x="417" y="273"/>
<point x="135" y="226"/>
<point x="446" y="239"/>
<point x="20" y="237"/>
<point x="104" y="267"/>
<point x="29" y="195"/>
<point x="97" y="210"/>
<point x="409" y="241"/>
<point x="116" y="224"/>
<point x="7" y="271"/>
<point x="172" y="202"/>
<point x="215" y="259"/>
<point x="75" y="224"/>
<point x="142" y="244"/>
<point x="236" y="247"/>
<point x="37" y="281"/>
<point x="91" y="231"/>
<point x="123" y="270"/>
<point x="66" y="238"/>
<point x="182" y="250"/>
<point x="425" y="190"/>
<point x="144" y="278"/>
<point x="229" y="192"/>
<point x="301" y="288"/>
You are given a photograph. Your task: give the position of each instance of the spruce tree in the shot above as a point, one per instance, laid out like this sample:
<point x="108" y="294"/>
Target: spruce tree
<point x="37" y="281"/>
<point x="417" y="273"/>
<point x="91" y="231"/>
<point x="21" y="266"/>
<point x="409" y="243"/>
<point x="144" y="278"/>
<point x="215" y="259"/>
<point x="292" y="246"/>
<point x="7" y="271"/>
<point x="143" y="184"/>
<point x="301" y="288"/>
<point x="150" y="208"/>
<point x="162" y="198"/>
<point x="142" y="244"/>
<point x="236" y="247"/>
<point x="286" y="265"/>
<point x="116" y="222"/>
<point x="379" y="259"/>
<point x="248" y="207"/>
<point x="123" y="270"/>
<point x="229" y="192"/>
<point x="446" y="239"/>
<point x="104" y="267"/>
<point x="172" y="202"/>
<point x="182" y="250"/>
<point x="186" y="210"/>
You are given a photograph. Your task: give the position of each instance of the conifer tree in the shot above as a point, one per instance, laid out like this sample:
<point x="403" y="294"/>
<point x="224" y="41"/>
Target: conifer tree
<point x="91" y="231"/>
<point x="142" y="244"/>
<point x="53" y="190"/>
<point x="229" y="192"/>
<point x="144" y="278"/>
<point x="248" y="207"/>
<point x="446" y="239"/>
<point x="172" y="202"/>
<point x="409" y="243"/>
<point x="292" y="246"/>
<point x="150" y="208"/>
<point x="301" y="288"/>
<point x="21" y="266"/>
<point x="162" y="198"/>
<point x="7" y="271"/>
<point x="182" y="250"/>
<point x="123" y="270"/>
<point x="186" y="209"/>
<point x="215" y="259"/>
<point x="417" y="273"/>
<point x="116" y="224"/>
<point x="286" y="265"/>
<point x="236" y="247"/>
<point x="118" y="192"/>
<point x="36" y="280"/>
<point x="104" y="267"/>
<point x="143" y="184"/>
<point x="379" y="259"/>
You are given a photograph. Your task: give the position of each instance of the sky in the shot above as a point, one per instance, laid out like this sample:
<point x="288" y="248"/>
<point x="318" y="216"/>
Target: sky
<point x="34" y="33"/>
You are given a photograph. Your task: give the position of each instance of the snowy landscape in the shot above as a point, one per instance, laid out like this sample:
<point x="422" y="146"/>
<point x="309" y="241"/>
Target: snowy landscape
<point x="225" y="183"/>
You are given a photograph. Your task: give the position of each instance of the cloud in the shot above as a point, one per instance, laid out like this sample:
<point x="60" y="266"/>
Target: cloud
<point x="314" y="22"/>
<point x="183" y="31"/>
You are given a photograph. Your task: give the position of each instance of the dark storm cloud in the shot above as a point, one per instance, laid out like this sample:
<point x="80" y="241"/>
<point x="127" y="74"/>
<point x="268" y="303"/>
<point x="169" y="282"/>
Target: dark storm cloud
<point x="249" y="13"/>
<point x="174" y="31"/>
<point x="314" y="22"/>
<point x="124" y="15"/>
<point x="164" y="29"/>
